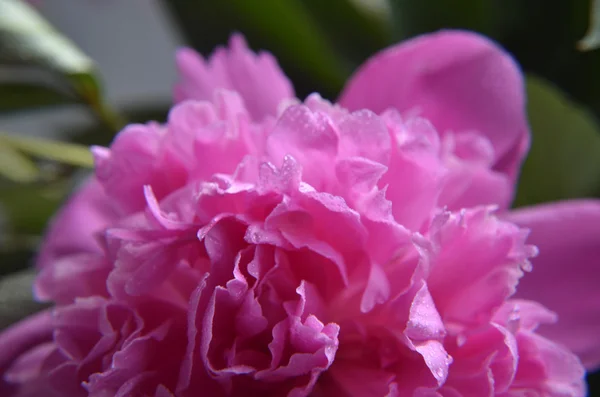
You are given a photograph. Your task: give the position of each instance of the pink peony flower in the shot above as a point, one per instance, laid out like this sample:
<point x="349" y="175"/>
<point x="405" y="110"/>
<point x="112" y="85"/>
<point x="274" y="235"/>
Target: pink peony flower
<point x="254" y="245"/>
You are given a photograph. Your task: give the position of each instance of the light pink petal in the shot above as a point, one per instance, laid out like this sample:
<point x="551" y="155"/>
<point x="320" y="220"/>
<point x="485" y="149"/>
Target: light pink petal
<point x="485" y="360"/>
<point x="137" y="157"/>
<point x="68" y="233"/>
<point x="518" y="314"/>
<point x="471" y="181"/>
<point x="309" y="137"/>
<point x="217" y="134"/>
<point x="460" y="81"/>
<point x="414" y="177"/>
<point x="547" y="368"/>
<point x="566" y="274"/>
<point x="476" y="266"/>
<point x="364" y="134"/>
<point x="256" y="77"/>
<point x="424" y="321"/>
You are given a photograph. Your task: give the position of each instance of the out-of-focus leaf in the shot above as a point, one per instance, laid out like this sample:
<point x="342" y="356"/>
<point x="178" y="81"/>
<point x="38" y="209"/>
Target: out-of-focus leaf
<point x="28" y="41"/>
<point x="15" y="259"/>
<point x="283" y="27"/>
<point x="356" y="28"/>
<point x="591" y="41"/>
<point x="16" y="297"/>
<point x="412" y="18"/>
<point x="564" y="161"/>
<point x="295" y="33"/>
<point x="541" y="35"/>
<point x="63" y="152"/>
<point x="22" y="95"/>
<point x="380" y="9"/>
<point x="15" y="166"/>
<point x="28" y="207"/>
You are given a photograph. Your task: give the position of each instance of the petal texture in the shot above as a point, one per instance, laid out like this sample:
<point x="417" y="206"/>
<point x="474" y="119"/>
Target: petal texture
<point x="460" y="81"/>
<point x="257" y="77"/>
<point x="316" y="251"/>
<point x="566" y="274"/>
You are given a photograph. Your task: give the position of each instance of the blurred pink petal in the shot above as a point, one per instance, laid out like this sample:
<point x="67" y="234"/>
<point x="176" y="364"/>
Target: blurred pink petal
<point x="460" y="81"/>
<point x="16" y="342"/>
<point x="256" y="77"/>
<point x="566" y="274"/>
<point x="68" y="233"/>
<point x="23" y="336"/>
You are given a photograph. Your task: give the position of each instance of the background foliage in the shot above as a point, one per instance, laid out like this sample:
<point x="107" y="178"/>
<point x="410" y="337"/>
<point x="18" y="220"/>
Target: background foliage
<point x="318" y="43"/>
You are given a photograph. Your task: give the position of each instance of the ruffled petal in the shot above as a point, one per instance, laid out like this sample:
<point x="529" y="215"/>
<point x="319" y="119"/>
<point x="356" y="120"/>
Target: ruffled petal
<point x="256" y="77"/>
<point x="566" y="274"/>
<point x="460" y="81"/>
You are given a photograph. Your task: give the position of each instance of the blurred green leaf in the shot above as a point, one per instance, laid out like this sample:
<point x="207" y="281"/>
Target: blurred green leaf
<point x="16" y="297"/>
<point x="355" y="30"/>
<point x="15" y="166"/>
<point x="284" y="27"/>
<point x="28" y="207"/>
<point x="412" y="18"/>
<point x="22" y="95"/>
<point x="63" y="152"/>
<point x="28" y="41"/>
<point x="564" y="161"/>
<point x="295" y="33"/>
<point x="380" y="9"/>
<point x="591" y="41"/>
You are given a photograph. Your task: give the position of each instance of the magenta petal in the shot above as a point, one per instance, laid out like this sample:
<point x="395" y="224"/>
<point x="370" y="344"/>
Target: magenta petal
<point x="22" y="336"/>
<point x="257" y="77"/>
<point x="67" y="234"/>
<point x="460" y="81"/>
<point x="566" y="274"/>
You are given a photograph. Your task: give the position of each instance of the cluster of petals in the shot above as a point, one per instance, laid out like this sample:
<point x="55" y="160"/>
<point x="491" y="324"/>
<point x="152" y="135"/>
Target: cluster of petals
<point x="259" y="245"/>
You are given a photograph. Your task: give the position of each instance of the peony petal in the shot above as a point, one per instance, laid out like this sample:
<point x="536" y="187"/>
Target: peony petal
<point x="68" y="234"/>
<point x="460" y="81"/>
<point x="547" y="369"/>
<point x="256" y="77"/>
<point x="566" y="274"/>
<point x="137" y="157"/>
<point x="309" y="137"/>
<point x="23" y="336"/>
<point x="72" y="276"/>
<point x="478" y="262"/>
<point x="470" y="180"/>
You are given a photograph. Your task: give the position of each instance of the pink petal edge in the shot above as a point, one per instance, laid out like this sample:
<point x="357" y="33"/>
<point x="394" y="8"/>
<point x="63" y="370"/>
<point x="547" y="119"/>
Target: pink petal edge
<point x="460" y="81"/>
<point x="566" y="274"/>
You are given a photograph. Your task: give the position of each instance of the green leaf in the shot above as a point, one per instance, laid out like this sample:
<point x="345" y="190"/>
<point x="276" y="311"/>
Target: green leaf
<point x="412" y="18"/>
<point x="63" y="152"/>
<point x="285" y="28"/>
<point x="23" y="95"/>
<point x="28" y="207"/>
<point x="28" y="41"/>
<point x="15" y="166"/>
<point x="16" y="298"/>
<point x="295" y="33"/>
<point x="591" y="41"/>
<point x="564" y="161"/>
<point x="356" y="28"/>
